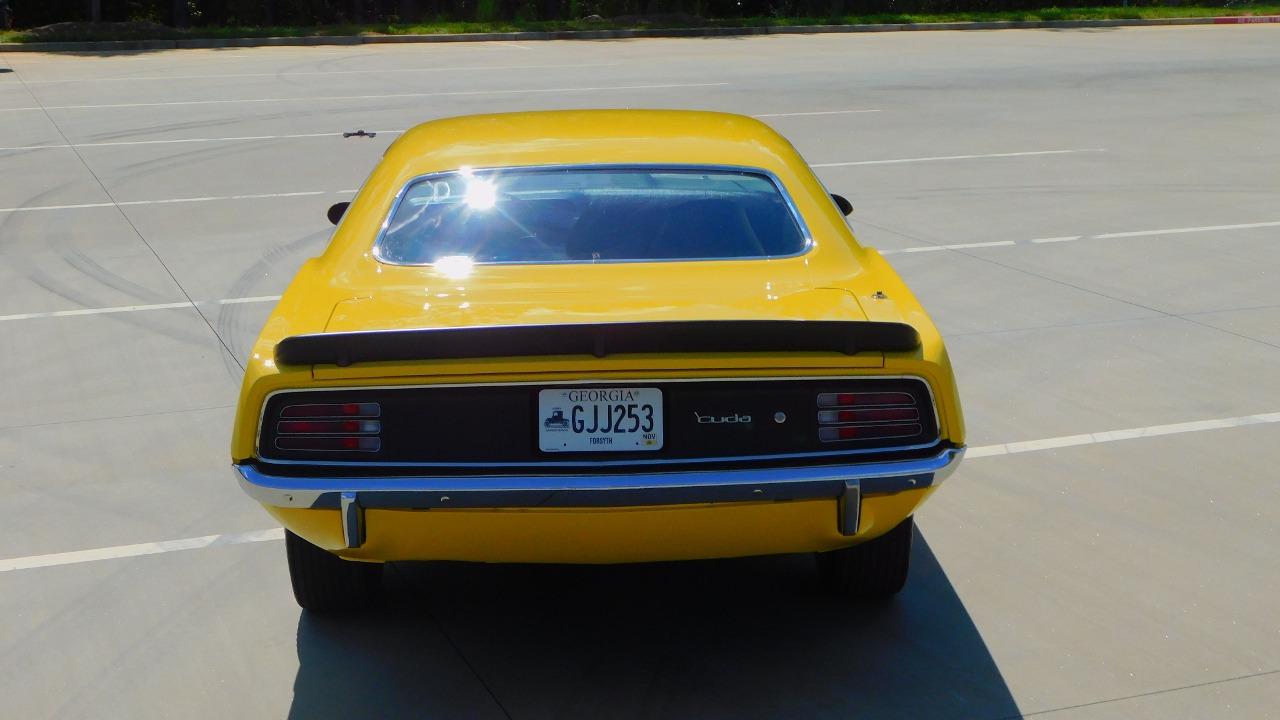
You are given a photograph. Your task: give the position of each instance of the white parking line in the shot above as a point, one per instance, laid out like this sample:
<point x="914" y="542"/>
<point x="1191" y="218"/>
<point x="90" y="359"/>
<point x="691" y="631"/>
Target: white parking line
<point x="332" y="98"/>
<point x="291" y="73"/>
<point x="1177" y="231"/>
<point x="95" y="311"/>
<point x="240" y="138"/>
<point x="937" y="158"/>
<point x="1064" y="238"/>
<point x="169" y="201"/>
<point x="151" y="548"/>
<point x="138" y="308"/>
<point x="819" y="112"/>
<point x="273" y="298"/>
<point x="252" y="138"/>
<point x="1075" y="238"/>
<point x="270" y="534"/>
<point x="243" y="300"/>
<point x="960" y="246"/>
<point x="1117" y="435"/>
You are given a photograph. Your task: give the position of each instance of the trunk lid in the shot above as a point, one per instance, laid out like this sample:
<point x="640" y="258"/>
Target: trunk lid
<point x="574" y="294"/>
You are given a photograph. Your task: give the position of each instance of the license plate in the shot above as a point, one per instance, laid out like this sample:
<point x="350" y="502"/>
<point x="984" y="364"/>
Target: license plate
<point x="600" y="420"/>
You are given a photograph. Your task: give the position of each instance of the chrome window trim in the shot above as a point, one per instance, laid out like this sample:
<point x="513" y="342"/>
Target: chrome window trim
<point x="808" y="246"/>
<point x="937" y="423"/>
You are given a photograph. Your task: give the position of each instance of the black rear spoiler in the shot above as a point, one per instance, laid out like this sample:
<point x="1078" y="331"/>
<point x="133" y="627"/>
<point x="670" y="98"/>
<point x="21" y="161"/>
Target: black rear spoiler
<point x="598" y="339"/>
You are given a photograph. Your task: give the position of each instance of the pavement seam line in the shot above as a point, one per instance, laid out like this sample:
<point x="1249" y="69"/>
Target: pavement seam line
<point x="457" y="649"/>
<point x="269" y="534"/>
<point x="1164" y="691"/>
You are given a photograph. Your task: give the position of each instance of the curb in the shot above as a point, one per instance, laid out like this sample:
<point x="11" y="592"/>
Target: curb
<point x="134" y="45"/>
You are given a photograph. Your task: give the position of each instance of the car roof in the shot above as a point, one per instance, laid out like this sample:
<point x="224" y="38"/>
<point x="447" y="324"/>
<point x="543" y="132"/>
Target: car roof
<point x="589" y="137"/>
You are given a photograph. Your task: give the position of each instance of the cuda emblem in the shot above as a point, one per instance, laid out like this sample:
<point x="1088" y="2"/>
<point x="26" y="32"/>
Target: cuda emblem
<point x="734" y="419"/>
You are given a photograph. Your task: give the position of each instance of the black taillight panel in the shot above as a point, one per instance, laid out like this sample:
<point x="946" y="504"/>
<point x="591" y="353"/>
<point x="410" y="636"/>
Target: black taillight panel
<point x="499" y="424"/>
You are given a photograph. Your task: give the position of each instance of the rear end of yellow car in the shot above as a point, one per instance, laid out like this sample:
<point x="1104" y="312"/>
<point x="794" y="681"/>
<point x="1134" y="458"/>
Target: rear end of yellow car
<point x="596" y="363"/>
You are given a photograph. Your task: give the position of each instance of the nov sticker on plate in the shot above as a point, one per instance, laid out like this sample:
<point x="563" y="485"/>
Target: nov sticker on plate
<point x="599" y="419"/>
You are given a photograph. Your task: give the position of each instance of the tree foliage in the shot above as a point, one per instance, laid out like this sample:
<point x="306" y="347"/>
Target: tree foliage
<point x="32" y="13"/>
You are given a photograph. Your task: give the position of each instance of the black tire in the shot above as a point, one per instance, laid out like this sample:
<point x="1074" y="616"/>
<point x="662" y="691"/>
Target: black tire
<point x="873" y="571"/>
<point x="324" y="582"/>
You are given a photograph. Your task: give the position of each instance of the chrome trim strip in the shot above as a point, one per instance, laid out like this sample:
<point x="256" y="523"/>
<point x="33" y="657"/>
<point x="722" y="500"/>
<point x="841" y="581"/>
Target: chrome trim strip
<point x="658" y="462"/>
<point x="933" y="402"/>
<point x="809" y="242"/>
<point x="622" y="490"/>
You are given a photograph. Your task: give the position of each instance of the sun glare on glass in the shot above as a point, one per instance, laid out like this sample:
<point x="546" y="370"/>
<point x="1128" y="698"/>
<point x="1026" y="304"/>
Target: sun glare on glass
<point x="481" y="194"/>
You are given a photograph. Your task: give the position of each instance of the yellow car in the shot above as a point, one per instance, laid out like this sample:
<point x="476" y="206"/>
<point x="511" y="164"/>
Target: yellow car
<point x="594" y="337"/>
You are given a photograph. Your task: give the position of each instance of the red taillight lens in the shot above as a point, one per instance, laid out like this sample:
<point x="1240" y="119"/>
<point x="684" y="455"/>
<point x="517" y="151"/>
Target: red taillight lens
<point x="867" y="416"/>
<point x="338" y="444"/>
<point x="835" y="417"/>
<point x="332" y="427"/>
<point x="827" y="400"/>
<point x="367" y="410"/>
<point x="867" y="432"/>
<point x="328" y="427"/>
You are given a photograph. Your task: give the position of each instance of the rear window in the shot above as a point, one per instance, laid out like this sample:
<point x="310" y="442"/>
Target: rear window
<point x="586" y="215"/>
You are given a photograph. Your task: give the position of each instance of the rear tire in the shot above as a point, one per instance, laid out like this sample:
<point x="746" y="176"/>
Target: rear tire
<point x="873" y="571"/>
<point x="324" y="582"/>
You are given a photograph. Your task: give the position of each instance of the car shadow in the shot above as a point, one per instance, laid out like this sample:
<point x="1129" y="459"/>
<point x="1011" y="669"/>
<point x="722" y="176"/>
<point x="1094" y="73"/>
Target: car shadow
<point x="743" y="638"/>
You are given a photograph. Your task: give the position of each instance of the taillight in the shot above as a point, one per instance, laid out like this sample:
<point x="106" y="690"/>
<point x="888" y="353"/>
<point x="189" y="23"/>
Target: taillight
<point x="867" y="416"/>
<point x="341" y="444"/>
<point x="835" y="417"/>
<point x="334" y="427"/>
<point x="826" y="400"/>
<point x="368" y="410"/>
<point x="866" y="432"/>
<point x="329" y="427"/>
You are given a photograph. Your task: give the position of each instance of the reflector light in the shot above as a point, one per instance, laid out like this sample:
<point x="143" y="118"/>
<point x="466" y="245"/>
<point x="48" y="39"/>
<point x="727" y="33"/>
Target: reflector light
<point x="328" y="427"/>
<point x="826" y="400"/>
<point x="867" y="432"/>
<point x="370" y="410"/>
<point x="339" y="444"/>
<point x="834" y="417"/>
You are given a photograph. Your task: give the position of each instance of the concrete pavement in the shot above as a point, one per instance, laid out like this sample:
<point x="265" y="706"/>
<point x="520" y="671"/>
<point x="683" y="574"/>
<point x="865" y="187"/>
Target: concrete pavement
<point x="1129" y="578"/>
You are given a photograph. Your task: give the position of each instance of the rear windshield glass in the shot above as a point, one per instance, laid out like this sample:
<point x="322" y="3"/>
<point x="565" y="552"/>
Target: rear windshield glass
<point x="585" y="215"/>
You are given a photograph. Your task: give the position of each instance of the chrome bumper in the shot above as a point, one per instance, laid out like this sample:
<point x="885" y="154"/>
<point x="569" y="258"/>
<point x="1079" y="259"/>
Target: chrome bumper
<point x="352" y="495"/>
